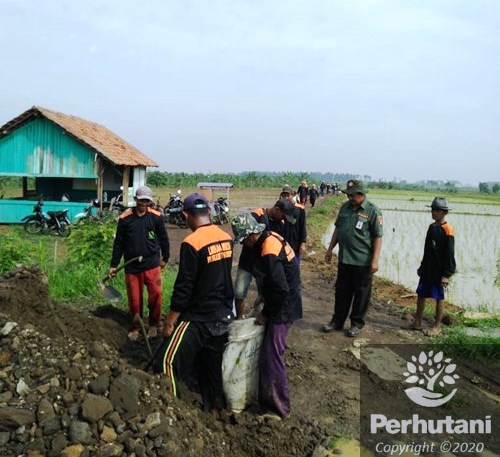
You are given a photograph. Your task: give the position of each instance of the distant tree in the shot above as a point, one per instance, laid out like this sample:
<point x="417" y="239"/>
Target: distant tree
<point x="156" y="178"/>
<point x="495" y="188"/>
<point x="484" y="188"/>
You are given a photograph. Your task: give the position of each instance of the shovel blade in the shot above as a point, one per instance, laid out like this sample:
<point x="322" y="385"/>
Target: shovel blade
<point x="110" y="292"/>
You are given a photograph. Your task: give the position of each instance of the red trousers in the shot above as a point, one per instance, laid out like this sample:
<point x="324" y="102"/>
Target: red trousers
<point x="135" y="283"/>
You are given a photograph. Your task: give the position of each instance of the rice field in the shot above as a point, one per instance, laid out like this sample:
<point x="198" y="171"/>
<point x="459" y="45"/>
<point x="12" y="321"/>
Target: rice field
<point x="477" y="246"/>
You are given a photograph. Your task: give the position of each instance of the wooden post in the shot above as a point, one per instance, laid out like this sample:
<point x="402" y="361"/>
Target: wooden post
<point x="100" y="182"/>
<point x="25" y="186"/>
<point x="125" y="181"/>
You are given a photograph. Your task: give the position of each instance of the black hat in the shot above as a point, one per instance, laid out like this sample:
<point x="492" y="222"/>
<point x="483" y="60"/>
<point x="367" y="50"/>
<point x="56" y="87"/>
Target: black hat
<point x="439" y="203"/>
<point x="287" y="206"/>
<point x="195" y="201"/>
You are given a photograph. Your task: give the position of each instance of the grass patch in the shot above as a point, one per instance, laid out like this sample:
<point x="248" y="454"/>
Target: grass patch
<point x="321" y="217"/>
<point x="79" y="287"/>
<point x="72" y="265"/>
<point x="455" y="342"/>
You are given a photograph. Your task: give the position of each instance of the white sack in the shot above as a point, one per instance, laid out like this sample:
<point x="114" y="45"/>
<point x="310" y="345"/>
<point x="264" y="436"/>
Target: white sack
<point x="240" y="363"/>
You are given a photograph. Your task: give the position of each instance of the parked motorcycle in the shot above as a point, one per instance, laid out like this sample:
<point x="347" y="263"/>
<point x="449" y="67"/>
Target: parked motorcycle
<point x="55" y="222"/>
<point x="220" y="214"/>
<point x="88" y="212"/>
<point x="173" y="210"/>
<point x="109" y="209"/>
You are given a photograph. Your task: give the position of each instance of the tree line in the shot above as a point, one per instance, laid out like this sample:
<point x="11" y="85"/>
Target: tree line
<point x="485" y="188"/>
<point x="250" y="179"/>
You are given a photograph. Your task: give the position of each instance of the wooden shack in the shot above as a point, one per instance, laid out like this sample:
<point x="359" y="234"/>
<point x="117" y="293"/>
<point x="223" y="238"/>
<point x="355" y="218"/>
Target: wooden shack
<point x="57" y="154"/>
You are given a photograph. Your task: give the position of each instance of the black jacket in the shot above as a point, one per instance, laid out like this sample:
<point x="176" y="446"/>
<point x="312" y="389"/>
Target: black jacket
<point x="439" y="254"/>
<point x="203" y="289"/>
<point x="296" y="233"/>
<point x="279" y="272"/>
<point x="247" y="255"/>
<point x="136" y="236"/>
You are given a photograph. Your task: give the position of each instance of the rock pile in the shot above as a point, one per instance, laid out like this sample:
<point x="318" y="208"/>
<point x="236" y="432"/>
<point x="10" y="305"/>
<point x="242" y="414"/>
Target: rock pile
<point x="72" y="397"/>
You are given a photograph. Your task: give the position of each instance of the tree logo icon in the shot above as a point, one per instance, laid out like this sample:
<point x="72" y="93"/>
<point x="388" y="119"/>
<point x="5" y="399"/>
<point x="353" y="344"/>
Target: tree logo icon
<point x="427" y="370"/>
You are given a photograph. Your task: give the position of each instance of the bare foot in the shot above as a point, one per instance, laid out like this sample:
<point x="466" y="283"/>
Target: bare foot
<point x="153" y="332"/>
<point x="433" y="331"/>
<point x="414" y="326"/>
<point x="133" y="335"/>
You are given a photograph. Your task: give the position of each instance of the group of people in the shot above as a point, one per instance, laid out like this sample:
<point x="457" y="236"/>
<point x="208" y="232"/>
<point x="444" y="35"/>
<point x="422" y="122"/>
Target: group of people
<point x="195" y="328"/>
<point x="205" y="300"/>
<point x="327" y="187"/>
<point x="358" y="232"/>
<point x="304" y="192"/>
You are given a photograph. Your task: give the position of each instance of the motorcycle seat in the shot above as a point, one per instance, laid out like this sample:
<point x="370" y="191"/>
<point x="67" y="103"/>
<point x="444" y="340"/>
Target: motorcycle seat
<point x="56" y="213"/>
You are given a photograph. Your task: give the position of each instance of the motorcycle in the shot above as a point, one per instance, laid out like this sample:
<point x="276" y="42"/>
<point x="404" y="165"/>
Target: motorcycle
<point x="173" y="210"/>
<point x="220" y="214"/>
<point x="55" y="222"/>
<point x="87" y="214"/>
<point x="109" y="209"/>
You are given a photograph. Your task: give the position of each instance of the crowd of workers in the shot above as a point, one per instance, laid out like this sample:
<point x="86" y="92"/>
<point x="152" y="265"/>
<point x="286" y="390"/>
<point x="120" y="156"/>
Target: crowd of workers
<point x="206" y="299"/>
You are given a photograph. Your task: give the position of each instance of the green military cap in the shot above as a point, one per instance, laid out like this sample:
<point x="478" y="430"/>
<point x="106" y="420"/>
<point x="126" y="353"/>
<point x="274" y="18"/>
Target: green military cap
<point x="244" y="224"/>
<point x="355" y="186"/>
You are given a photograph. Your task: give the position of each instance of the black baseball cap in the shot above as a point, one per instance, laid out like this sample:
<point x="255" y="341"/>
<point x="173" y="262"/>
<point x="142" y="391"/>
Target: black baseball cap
<point x="287" y="206"/>
<point x="195" y="201"/>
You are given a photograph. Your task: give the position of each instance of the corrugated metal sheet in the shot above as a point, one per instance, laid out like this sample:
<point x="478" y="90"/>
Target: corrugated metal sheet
<point x="99" y="138"/>
<point x="39" y="148"/>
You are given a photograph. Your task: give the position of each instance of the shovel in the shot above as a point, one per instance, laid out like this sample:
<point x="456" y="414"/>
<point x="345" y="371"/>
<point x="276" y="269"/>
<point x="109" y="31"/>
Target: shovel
<point x="109" y="291"/>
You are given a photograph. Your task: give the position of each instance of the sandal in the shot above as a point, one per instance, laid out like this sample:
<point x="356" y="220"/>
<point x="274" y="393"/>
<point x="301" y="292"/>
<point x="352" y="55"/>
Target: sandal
<point x="133" y="335"/>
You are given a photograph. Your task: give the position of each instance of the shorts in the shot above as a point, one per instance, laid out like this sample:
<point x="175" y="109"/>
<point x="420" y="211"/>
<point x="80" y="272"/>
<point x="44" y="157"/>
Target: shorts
<point x="242" y="283"/>
<point x="430" y="291"/>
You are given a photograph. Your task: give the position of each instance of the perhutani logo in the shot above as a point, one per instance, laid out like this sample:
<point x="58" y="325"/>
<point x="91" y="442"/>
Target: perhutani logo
<point x="431" y="370"/>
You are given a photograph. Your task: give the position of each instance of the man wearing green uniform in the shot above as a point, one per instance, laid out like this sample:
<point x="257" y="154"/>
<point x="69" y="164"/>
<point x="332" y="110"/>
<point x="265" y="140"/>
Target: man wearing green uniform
<point x="358" y="232"/>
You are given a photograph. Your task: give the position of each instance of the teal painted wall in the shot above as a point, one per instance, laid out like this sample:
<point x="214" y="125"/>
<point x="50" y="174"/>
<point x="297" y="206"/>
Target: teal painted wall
<point x="40" y="148"/>
<point x="12" y="211"/>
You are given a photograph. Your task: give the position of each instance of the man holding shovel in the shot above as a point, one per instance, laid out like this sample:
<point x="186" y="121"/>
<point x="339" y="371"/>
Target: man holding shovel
<point x="141" y="232"/>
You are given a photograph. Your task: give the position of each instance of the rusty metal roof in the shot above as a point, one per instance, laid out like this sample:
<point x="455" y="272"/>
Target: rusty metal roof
<point x="110" y="146"/>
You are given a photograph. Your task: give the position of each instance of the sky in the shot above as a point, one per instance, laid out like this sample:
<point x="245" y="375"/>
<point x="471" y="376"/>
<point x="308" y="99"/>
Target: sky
<point x="406" y="90"/>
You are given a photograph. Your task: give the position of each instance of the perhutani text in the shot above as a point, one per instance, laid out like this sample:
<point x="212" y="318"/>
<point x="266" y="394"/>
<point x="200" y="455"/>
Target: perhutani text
<point x="379" y="422"/>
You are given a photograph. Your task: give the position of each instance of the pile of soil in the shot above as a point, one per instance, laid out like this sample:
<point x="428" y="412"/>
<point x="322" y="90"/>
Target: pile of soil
<point x="72" y="384"/>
